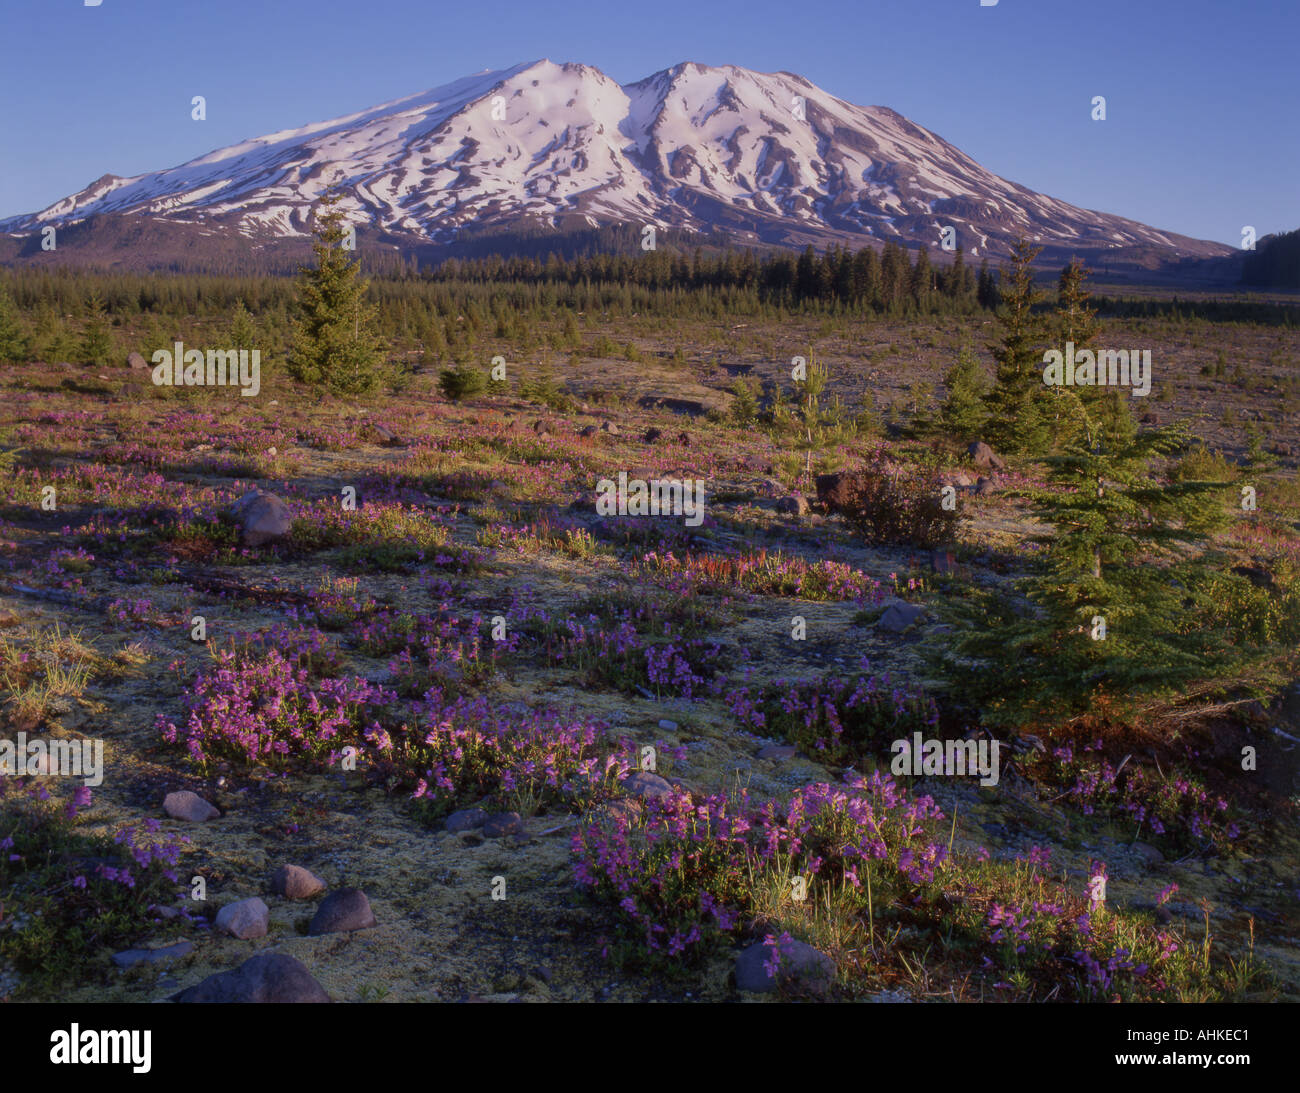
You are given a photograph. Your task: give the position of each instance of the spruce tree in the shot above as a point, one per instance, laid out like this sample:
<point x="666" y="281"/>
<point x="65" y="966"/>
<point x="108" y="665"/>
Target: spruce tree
<point x="986" y="288"/>
<point x="334" y="341"/>
<point x="1017" y="404"/>
<point x="242" y="331"/>
<point x="1076" y="322"/>
<point x="962" y="414"/>
<point x="1117" y="605"/>
<point x="96" y="341"/>
<point x="14" y="345"/>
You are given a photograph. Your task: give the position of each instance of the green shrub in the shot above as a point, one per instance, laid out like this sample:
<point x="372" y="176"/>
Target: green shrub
<point x="461" y="382"/>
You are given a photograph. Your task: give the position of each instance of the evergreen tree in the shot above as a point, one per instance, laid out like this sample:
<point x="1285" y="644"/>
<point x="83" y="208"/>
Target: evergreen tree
<point x="1117" y="606"/>
<point x="963" y="414"/>
<point x="96" y="341"/>
<point x="1017" y="406"/>
<point x="920" y="281"/>
<point x="242" y="332"/>
<point x="1077" y="322"/>
<point x="14" y="344"/>
<point x="334" y="339"/>
<point x="866" y="278"/>
<point x="986" y="289"/>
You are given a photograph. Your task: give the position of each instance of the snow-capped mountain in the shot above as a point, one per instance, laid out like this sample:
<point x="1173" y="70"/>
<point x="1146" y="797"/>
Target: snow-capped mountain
<point x="737" y="156"/>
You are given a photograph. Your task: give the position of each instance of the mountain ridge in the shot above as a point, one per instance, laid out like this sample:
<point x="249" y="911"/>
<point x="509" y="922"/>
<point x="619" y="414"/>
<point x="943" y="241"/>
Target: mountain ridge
<point x="730" y="155"/>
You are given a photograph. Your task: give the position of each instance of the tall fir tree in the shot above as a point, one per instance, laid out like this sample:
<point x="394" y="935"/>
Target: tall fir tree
<point x="1117" y="607"/>
<point x="986" y="288"/>
<point x="1076" y="321"/>
<point x="242" y="332"/>
<point x="1019" y="418"/>
<point x="335" y="343"/>
<point x="962" y="414"/>
<point x="96" y="339"/>
<point x="15" y="346"/>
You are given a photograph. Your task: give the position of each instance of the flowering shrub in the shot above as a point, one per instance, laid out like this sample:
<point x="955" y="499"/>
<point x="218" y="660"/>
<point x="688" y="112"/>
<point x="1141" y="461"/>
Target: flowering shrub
<point x="263" y="707"/>
<point x="837" y="716"/>
<point x="67" y="894"/>
<point x="469" y="749"/>
<point x="451" y="654"/>
<point x="773" y="574"/>
<point x="1172" y="809"/>
<point x="683" y="876"/>
<point x="620" y="657"/>
<point x="882" y="891"/>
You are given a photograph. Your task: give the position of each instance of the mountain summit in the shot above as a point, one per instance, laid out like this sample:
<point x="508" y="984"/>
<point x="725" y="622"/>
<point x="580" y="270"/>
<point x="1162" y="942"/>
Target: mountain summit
<point x="735" y="156"/>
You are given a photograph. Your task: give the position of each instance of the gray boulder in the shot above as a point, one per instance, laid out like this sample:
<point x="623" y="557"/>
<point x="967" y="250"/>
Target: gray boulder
<point x="267" y="977"/>
<point x="984" y="456"/>
<point x="246" y="919"/>
<point x="900" y="616"/>
<point x="263" y="517"/>
<point x="645" y="784"/>
<point x="184" y="805"/>
<point x="803" y="968"/>
<point x="796" y="505"/>
<point x="295" y="882"/>
<point x="341" y="912"/>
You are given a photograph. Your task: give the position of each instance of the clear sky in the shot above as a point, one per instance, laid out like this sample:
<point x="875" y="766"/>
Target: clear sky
<point x="1201" y="135"/>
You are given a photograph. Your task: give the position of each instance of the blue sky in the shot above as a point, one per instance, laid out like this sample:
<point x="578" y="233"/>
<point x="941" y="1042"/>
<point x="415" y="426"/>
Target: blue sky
<point x="1201" y="135"/>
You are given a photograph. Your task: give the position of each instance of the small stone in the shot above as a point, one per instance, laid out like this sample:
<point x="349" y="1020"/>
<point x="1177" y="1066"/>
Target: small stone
<point x="502" y="824"/>
<point x="984" y="487"/>
<point x="263" y="517"/>
<point x="611" y="428"/>
<point x="136" y="361"/>
<point x="900" y="616"/>
<point x="295" y="882"/>
<point x="667" y="726"/>
<point x="778" y="751"/>
<point x="887" y="997"/>
<point x="131" y="957"/>
<point x="246" y="919"/>
<point x="802" y="967"/>
<point x="342" y="911"/>
<point x="645" y="784"/>
<point x="267" y="977"/>
<point x="184" y="805"/>
<point x="465" y="819"/>
<point x="1149" y="854"/>
<point x="798" y="505"/>
<point x="621" y="809"/>
<point x="984" y="456"/>
<point x="589" y="431"/>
